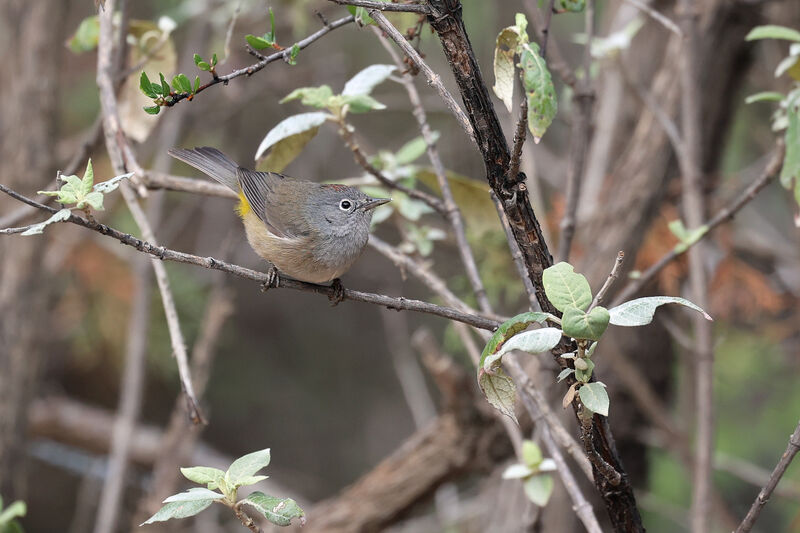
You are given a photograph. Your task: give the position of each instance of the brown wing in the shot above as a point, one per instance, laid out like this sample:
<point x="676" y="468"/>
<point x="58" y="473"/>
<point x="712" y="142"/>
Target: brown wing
<point x="274" y="199"/>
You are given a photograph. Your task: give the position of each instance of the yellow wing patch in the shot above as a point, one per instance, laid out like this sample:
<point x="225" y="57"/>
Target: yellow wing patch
<point x="243" y="207"/>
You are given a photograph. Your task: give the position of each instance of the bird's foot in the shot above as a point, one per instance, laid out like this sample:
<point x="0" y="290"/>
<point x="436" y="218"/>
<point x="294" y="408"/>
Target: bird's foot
<point x="337" y="295"/>
<point x="273" y="280"/>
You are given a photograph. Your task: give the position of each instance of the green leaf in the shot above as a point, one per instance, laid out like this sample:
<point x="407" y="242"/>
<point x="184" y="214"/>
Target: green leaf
<point x="534" y="341"/>
<point x="531" y="454"/>
<point x="508" y="329"/>
<point x="564" y="287"/>
<point x="204" y="475"/>
<point x="595" y="397"/>
<point x="505" y="48"/>
<point x="542" y="104"/>
<point x="413" y="150"/>
<point x="214" y="60"/>
<point x="773" y="32"/>
<point x="311" y="96"/>
<point x="251" y="480"/>
<point x="194" y="494"/>
<point x="259" y="43"/>
<point x="499" y="390"/>
<point x="791" y="162"/>
<point x="640" y="311"/>
<point x="365" y="81"/>
<point x="246" y="466"/>
<point x="182" y="83"/>
<point x="17" y="509"/>
<point x="147" y="87"/>
<point x="765" y="96"/>
<point x="152" y="110"/>
<point x="293" y="54"/>
<point x="165" y="90"/>
<point x="196" y="84"/>
<point x="279" y="511"/>
<point x="687" y="238"/>
<point x="517" y="471"/>
<point x="564" y="373"/>
<point x="575" y="6"/>
<point x="204" y="66"/>
<point x="36" y="229"/>
<point x="197" y="59"/>
<point x="539" y="488"/>
<point x="581" y="325"/>
<point x="271" y="34"/>
<point x="86" y="36"/>
<point x="88" y="179"/>
<point x="95" y="200"/>
<point x="361" y="103"/>
<point x="286" y="140"/>
<point x="178" y="510"/>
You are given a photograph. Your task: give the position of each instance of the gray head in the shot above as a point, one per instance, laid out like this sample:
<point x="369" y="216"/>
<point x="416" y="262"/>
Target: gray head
<point x="339" y="210"/>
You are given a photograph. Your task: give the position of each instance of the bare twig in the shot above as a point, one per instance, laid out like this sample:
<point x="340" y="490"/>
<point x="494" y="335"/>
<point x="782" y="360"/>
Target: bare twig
<point x="161" y="252"/>
<point x="453" y="214"/>
<point x="520" y="133"/>
<point x="158" y="180"/>
<point x="612" y="277"/>
<point x="433" y="78"/>
<point x="556" y="62"/>
<point x="516" y="253"/>
<point x="780" y="469"/>
<point x="658" y="17"/>
<point x="723" y="215"/>
<point x="546" y="28"/>
<point x="384" y="6"/>
<point x="580" y="137"/>
<point x="690" y="161"/>
<point x="346" y="133"/>
<point x="252" y="69"/>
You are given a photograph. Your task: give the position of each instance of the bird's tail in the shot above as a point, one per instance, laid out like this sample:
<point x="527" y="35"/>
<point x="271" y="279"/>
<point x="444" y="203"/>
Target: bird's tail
<point x="212" y="162"/>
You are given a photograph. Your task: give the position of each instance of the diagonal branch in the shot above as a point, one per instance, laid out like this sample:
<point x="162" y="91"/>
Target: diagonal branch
<point x="384" y="6"/>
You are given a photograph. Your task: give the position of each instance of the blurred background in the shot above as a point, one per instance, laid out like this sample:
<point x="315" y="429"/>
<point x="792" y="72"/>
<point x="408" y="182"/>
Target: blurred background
<point x="335" y="390"/>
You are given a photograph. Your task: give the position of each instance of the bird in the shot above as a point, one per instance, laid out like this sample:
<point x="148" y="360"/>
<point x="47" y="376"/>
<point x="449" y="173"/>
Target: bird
<point x="309" y="231"/>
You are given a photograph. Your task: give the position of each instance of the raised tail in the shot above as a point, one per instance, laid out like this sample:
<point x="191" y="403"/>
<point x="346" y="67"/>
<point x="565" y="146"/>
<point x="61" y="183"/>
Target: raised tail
<point x="212" y="162"/>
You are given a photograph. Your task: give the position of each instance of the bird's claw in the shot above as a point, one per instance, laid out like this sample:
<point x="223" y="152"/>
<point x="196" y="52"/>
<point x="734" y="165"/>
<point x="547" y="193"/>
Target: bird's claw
<point x="273" y="279"/>
<point x="337" y="295"/>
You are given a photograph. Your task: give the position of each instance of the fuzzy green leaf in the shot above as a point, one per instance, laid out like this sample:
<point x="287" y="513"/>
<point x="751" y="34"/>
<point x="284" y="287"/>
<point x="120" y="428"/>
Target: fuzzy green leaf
<point x="539" y="488"/>
<point x="542" y="104"/>
<point x="17" y="509"/>
<point x="361" y="103"/>
<point x="286" y="140"/>
<point x="765" y="96"/>
<point x="293" y="54"/>
<point x="279" y="511"/>
<point x="595" y="397"/>
<point x="581" y="325"/>
<point x="86" y="36"/>
<point x="640" y="311"/>
<point x="246" y="466"/>
<point x="204" y="475"/>
<point x="508" y="329"/>
<point x="574" y="6"/>
<point x="194" y="494"/>
<point x="178" y="510"/>
<point x="367" y="79"/>
<point x="88" y="179"/>
<point x="533" y="342"/>
<point x="165" y="90"/>
<point x="318" y="97"/>
<point x="791" y="162"/>
<point x="147" y="87"/>
<point x="564" y="287"/>
<point x="531" y="454"/>
<point x="259" y="43"/>
<point x="413" y="150"/>
<point x="507" y="46"/>
<point x="499" y="390"/>
<point x="564" y="373"/>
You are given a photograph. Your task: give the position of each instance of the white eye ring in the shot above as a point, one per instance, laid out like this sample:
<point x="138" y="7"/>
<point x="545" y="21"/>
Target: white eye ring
<point x="345" y="205"/>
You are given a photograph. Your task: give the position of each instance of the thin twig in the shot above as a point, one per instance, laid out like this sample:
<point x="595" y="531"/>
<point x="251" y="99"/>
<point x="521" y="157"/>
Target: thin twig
<point x="723" y="215"/>
<point x="161" y="252"/>
<point x="346" y="133"/>
<point x="690" y="161"/>
<point x="433" y="78"/>
<point x="252" y="69"/>
<point x="546" y="29"/>
<point x="580" y="137"/>
<point x="612" y="277"/>
<point x="658" y="17"/>
<point x="229" y="33"/>
<point x="383" y="6"/>
<point x="452" y="212"/>
<point x="516" y="253"/>
<point x="520" y="133"/>
<point x="556" y="63"/>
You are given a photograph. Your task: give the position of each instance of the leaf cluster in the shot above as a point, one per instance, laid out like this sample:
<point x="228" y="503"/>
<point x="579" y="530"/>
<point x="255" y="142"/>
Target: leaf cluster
<point x="533" y="471"/>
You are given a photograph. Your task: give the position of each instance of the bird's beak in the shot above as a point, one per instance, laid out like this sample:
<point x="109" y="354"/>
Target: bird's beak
<point x="374" y="202"/>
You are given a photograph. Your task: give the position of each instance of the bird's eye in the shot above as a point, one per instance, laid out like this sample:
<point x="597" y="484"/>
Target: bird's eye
<point x="345" y="205"/>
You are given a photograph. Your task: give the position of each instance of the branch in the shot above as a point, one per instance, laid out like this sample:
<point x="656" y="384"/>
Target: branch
<point x="612" y="277"/>
<point x="658" y="17"/>
<point x="546" y="29"/>
<point x="383" y="6"/>
<point x="161" y="252"/>
<point x="520" y="133"/>
<point x="252" y="69"/>
<point x="452" y="212"/>
<point x="723" y="215"/>
<point x="433" y="78"/>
